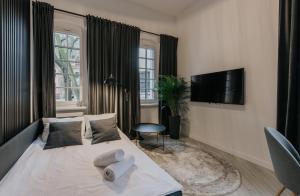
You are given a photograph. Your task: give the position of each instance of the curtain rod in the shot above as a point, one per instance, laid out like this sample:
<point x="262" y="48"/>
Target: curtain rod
<point x="81" y="15"/>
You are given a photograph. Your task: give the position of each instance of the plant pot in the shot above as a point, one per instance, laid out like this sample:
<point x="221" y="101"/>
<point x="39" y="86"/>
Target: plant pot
<point x="174" y="126"/>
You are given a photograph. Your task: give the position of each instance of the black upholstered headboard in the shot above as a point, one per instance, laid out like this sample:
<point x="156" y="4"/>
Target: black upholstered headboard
<point x="12" y="150"/>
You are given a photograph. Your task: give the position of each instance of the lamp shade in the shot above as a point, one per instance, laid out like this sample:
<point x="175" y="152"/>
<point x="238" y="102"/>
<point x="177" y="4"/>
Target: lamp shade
<point x="110" y="80"/>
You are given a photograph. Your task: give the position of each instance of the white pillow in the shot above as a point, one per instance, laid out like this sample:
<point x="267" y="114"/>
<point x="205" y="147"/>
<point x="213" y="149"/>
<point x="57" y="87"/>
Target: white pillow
<point x="87" y="118"/>
<point x="47" y="121"/>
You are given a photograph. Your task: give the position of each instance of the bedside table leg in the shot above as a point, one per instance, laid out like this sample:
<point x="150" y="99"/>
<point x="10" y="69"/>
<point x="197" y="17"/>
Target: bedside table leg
<point x="164" y="142"/>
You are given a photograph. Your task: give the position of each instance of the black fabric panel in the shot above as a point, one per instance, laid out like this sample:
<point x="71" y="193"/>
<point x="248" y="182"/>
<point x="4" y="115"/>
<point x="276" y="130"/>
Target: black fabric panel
<point x="112" y="48"/>
<point x="63" y="134"/>
<point x="43" y="69"/>
<point x="167" y="66"/>
<point x="288" y="100"/>
<point x="14" y="67"/>
<point x="168" y="55"/>
<point x="11" y="151"/>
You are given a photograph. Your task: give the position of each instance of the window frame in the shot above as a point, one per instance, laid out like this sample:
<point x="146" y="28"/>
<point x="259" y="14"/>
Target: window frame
<point x="78" y="33"/>
<point x="149" y="44"/>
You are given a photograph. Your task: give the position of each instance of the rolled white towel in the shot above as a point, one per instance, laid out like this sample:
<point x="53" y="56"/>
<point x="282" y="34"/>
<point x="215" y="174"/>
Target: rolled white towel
<point x="115" y="170"/>
<point x="110" y="157"/>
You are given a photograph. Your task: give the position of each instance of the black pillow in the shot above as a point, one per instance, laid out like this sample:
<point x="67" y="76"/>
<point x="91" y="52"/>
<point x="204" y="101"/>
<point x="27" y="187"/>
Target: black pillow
<point x="64" y="134"/>
<point x="104" y="130"/>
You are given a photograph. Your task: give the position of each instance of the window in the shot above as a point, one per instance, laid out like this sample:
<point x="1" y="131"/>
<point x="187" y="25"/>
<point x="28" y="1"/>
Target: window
<point x="67" y="67"/>
<point x="147" y="75"/>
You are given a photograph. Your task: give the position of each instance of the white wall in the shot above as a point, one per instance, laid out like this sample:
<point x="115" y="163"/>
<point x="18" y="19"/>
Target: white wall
<point x="218" y="35"/>
<point x="149" y="114"/>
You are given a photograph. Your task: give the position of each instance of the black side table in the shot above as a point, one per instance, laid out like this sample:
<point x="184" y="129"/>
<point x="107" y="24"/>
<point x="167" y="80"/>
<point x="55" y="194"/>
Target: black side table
<point x="150" y="128"/>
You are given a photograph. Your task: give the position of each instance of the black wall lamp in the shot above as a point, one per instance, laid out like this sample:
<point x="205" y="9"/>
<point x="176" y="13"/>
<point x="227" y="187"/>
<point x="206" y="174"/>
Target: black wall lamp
<point x="111" y="81"/>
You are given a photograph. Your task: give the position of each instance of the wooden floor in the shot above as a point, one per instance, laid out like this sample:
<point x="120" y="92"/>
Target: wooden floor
<point x="256" y="180"/>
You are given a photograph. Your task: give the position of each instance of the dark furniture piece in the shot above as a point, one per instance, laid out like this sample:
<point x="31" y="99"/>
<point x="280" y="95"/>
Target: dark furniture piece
<point x="178" y="193"/>
<point x="285" y="159"/>
<point x="150" y="128"/>
<point x="12" y="150"/>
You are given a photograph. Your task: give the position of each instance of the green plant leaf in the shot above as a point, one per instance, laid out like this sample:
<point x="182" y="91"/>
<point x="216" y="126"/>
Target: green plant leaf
<point x="174" y="92"/>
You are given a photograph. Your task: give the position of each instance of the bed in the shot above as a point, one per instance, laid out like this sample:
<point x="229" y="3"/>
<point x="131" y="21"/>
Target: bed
<point x="70" y="170"/>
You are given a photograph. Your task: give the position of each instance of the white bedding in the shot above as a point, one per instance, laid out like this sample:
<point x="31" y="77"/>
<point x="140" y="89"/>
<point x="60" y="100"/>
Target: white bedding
<point x="69" y="171"/>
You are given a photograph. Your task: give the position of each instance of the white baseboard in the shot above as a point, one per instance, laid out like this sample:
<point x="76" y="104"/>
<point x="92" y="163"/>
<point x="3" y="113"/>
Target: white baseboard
<point x="263" y="163"/>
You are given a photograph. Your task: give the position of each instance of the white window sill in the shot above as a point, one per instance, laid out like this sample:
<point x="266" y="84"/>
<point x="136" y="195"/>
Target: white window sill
<point x="67" y="109"/>
<point x="149" y="104"/>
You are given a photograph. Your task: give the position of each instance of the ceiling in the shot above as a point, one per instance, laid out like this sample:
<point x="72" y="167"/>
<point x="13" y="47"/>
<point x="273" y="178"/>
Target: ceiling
<point x="169" y="7"/>
<point x="151" y="9"/>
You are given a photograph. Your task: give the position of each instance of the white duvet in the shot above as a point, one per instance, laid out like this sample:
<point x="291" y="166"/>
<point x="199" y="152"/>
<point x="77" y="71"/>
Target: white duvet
<point x="69" y="171"/>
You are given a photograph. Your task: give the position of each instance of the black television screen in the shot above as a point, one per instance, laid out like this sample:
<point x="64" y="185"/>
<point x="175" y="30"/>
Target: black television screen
<point x="220" y="87"/>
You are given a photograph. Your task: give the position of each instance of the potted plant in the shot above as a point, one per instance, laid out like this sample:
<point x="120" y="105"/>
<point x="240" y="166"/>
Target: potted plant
<point x="173" y="92"/>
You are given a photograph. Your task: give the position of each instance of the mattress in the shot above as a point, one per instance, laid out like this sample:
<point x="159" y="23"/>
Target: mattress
<point x="69" y="171"/>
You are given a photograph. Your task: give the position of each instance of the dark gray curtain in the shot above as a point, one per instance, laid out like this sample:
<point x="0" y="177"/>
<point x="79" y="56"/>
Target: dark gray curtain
<point x="43" y="66"/>
<point x="14" y="72"/>
<point x="167" y="66"/>
<point x="168" y="55"/>
<point x="112" y="48"/>
<point x="288" y="102"/>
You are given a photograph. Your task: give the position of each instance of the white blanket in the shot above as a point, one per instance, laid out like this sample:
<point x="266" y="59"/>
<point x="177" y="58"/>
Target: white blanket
<point x="70" y="171"/>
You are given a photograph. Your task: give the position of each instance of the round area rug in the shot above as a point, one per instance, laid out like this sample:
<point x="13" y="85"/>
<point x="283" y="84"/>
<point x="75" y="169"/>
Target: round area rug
<point x="198" y="171"/>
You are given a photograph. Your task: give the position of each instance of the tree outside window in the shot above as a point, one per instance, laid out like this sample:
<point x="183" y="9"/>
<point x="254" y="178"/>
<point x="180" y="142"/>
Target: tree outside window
<point x="67" y="67"/>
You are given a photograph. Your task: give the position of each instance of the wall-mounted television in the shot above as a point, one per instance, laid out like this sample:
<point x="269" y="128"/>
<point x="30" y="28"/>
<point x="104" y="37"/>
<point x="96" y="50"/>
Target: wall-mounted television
<point x="225" y="87"/>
